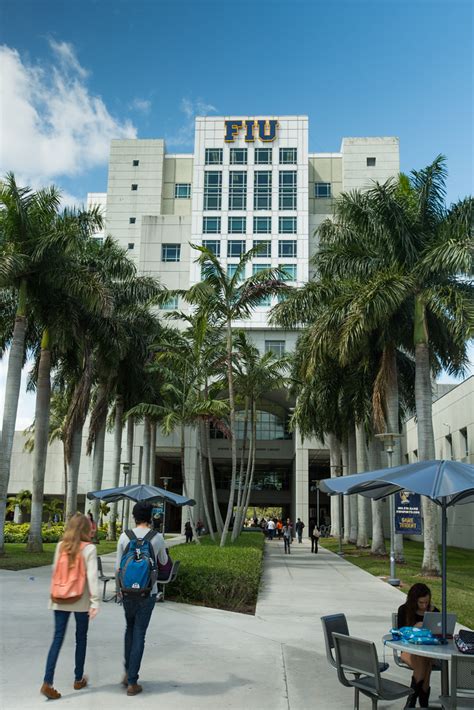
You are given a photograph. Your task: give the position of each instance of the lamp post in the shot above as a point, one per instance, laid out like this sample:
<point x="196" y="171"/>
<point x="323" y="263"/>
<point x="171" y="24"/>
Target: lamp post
<point x="127" y="471"/>
<point x="388" y="439"/>
<point x="166" y="480"/>
<point x="315" y="483"/>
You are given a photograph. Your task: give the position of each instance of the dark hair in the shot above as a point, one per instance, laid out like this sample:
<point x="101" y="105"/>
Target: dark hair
<point x="415" y="592"/>
<point x="142" y="512"/>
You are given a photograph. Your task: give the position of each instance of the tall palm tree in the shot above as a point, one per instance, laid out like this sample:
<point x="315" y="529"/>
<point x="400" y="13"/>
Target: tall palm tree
<point x="228" y="299"/>
<point x="411" y="258"/>
<point x="25" y="220"/>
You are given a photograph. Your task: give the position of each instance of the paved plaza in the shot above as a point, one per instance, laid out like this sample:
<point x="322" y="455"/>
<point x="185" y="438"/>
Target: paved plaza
<point x="198" y="658"/>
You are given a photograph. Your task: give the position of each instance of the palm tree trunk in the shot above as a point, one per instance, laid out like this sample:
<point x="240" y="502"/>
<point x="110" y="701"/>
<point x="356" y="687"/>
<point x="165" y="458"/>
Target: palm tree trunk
<point x="242" y="495"/>
<point x="253" y="451"/>
<point x="73" y="473"/>
<point x="363" y="503"/>
<point x="353" y="502"/>
<point x="345" y="499"/>
<point x="146" y="451"/>
<point x="217" y="513"/>
<point x="12" y="393"/>
<point x="426" y="447"/>
<point x="130" y="437"/>
<point x="392" y="405"/>
<point x="152" y="453"/>
<point x="112" y="527"/>
<point x="233" y="442"/>
<point x="203" y="483"/>
<point x="98" y="463"/>
<point x="378" y="539"/>
<point x="335" y="466"/>
<point x="65" y="480"/>
<point x="242" y="455"/>
<point x="43" y="399"/>
<point x="185" y="485"/>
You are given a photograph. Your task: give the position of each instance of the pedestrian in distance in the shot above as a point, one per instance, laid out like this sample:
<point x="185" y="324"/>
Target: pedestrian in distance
<point x="138" y="551"/>
<point x="287" y="538"/>
<point x="188" y="531"/>
<point x="315" y="535"/>
<point x="271" y="529"/>
<point x="299" y="527"/>
<point x="74" y="589"/>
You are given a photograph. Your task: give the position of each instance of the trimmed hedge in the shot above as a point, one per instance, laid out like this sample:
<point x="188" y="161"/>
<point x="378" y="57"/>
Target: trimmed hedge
<point x="49" y="533"/>
<point x="221" y="578"/>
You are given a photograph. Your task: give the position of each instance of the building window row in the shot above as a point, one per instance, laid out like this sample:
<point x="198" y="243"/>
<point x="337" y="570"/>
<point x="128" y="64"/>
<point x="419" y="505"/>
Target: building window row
<point x="239" y="156"/>
<point x="212" y="190"/>
<point x="238" y="190"/>
<point x="290" y="270"/>
<point x="238" y="225"/>
<point x="287" y="248"/>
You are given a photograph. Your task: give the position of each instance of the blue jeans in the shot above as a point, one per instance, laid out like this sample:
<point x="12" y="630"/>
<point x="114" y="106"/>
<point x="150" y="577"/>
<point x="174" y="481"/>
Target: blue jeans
<point x="137" y="614"/>
<point x="61" y="619"/>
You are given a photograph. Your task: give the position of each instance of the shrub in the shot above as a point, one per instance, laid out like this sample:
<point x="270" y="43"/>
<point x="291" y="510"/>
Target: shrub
<point x="222" y="578"/>
<point x="19" y="533"/>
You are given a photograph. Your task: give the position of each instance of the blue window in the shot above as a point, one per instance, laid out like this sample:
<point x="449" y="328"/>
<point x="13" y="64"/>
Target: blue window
<point x="237" y="225"/>
<point x="287" y="225"/>
<point x="287" y="192"/>
<point x="211" y="225"/>
<point x="263" y="156"/>
<point x="212" y="190"/>
<point x="170" y="252"/>
<point x="322" y="189"/>
<point x="170" y="305"/>
<point x="237" y="190"/>
<point x="238" y="156"/>
<point x="213" y="245"/>
<point x="290" y="271"/>
<point x="235" y="248"/>
<point x="288" y="156"/>
<point x="262" y="190"/>
<point x="262" y="225"/>
<point x="182" y="190"/>
<point x="265" y="250"/>
<point x="287" y="248"/>
<point x="213" y="156"/>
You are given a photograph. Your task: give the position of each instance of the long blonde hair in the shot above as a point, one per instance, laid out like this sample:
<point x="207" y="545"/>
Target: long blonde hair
<point x="77" y="530"/>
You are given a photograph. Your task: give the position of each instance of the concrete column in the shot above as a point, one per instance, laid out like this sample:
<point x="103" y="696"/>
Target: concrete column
<point x="300" y="496"/>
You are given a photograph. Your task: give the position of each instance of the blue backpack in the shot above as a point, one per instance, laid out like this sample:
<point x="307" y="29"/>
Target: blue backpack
<point x="137" y="572"/>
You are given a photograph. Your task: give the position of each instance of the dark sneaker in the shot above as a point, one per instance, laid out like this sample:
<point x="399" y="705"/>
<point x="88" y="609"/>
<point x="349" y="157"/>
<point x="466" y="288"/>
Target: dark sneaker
<point x="134" y="689"/>
<point x="50" y="692"/>
<point x="78" y="684"/>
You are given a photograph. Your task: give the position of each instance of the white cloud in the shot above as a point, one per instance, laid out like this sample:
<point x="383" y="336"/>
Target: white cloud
<point x="141" y="105"/>
<point x="191" y="109"/>
<point x="51" y="124"/>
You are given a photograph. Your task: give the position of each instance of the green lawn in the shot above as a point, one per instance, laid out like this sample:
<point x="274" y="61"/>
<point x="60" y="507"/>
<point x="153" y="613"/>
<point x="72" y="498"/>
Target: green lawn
<point x="17" y="557"/>
<point x="460" y="574"/>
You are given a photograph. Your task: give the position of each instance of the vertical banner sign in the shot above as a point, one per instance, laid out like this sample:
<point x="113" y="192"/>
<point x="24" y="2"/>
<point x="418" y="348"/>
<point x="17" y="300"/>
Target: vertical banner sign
<point x="408" y="513"/>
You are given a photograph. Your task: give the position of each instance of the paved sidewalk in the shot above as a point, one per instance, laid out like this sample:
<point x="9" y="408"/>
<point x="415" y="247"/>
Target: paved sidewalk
<point x="204" y="659"/>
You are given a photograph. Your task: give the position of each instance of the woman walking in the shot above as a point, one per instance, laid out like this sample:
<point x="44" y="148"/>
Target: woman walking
<point x="74" y="588"/>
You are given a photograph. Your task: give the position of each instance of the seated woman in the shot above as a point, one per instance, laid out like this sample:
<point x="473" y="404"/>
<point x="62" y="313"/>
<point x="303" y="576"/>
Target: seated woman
<point x="411" y="614"/>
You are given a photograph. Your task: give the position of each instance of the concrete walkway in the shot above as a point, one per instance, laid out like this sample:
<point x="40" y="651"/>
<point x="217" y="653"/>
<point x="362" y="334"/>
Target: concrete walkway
<point x="201" y="659"/>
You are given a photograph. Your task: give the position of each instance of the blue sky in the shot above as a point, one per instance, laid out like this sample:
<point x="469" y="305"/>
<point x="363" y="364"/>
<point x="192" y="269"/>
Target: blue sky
<point x="356" y="68"/>
<point x="75" y="74"/>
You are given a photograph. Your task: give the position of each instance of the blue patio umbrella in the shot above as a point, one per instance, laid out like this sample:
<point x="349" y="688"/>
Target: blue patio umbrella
<point x="140" y="491"/>
<point x="447" y="483"/>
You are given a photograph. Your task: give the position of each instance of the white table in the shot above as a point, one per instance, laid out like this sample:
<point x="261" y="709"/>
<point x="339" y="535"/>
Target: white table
<point x="441" y="653"/>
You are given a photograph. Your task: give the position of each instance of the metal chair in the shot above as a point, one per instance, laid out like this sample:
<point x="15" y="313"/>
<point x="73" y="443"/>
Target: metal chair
<point x="462" y="681"/>
<point x="105" y="579"/>
<point x="337" y="623"/>
<point x="359" y="657"/>
<point x="163" y="582"/>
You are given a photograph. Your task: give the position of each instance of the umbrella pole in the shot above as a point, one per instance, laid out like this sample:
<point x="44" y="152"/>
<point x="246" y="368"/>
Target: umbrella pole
<point x="341" y="523"/>
<point x="444" y="586"/>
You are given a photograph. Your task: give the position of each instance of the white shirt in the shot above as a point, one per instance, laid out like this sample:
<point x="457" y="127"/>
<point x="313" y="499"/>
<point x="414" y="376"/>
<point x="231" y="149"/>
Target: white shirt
<point x="271" y="525"/>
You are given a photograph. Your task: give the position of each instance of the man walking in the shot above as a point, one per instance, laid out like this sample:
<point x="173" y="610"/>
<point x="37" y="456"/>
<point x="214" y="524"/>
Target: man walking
<point x="299" y="527"/>
<point x="138" y="609"/>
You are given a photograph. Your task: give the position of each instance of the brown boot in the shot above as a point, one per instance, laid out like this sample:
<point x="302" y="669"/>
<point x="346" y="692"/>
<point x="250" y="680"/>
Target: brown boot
<point x="50" y="692"/>
<point x="78" y="684"/>
<point x="134" y="689"/>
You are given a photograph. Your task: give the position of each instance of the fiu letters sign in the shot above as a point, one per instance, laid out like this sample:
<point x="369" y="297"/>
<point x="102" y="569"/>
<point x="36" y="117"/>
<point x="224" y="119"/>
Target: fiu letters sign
<point x="265" y="130"/>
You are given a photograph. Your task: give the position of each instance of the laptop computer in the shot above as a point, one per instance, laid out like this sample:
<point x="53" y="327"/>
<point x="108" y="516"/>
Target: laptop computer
<point x="432" y="620"/>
